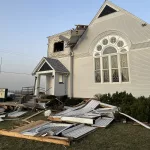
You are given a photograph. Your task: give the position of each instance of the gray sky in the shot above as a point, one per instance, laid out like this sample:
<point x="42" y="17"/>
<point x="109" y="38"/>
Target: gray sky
<point x="25" y="24"/>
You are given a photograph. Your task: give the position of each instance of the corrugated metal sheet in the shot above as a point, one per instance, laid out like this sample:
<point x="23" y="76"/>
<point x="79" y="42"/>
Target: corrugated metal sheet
<point x="103" y="122"/>
<point x="89" y="107"/>
<point x="78" y="131"/>
<point x="69" y="110"/>
<point x="47" y="128"/>
<point x="16" y="114"/>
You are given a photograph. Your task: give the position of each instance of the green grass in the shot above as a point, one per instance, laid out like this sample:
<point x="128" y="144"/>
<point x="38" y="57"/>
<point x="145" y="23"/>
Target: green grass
<point x="117" y="136"/>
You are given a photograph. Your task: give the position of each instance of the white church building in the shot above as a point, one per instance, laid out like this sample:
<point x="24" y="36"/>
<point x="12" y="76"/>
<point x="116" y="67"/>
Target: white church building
<point x="110" y="54"/>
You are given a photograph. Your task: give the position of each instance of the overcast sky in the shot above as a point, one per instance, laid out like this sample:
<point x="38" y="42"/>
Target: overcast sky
<point x="25" y="24"/>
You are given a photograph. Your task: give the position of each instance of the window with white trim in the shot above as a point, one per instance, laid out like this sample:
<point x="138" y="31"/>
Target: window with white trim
<point x="111" y="60"/>
<point x="60" y="78"/>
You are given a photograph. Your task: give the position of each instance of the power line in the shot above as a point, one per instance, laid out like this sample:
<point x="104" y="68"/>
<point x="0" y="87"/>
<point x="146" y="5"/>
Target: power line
<point x="18" y="73"/>
<point x="14" y="53"/>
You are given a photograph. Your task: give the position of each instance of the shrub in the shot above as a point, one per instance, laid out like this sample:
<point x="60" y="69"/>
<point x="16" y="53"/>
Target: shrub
<point x="138" y="108"/>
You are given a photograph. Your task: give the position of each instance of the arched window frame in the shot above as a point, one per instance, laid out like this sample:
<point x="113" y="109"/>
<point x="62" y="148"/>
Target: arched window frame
<point x="119" y="54"/>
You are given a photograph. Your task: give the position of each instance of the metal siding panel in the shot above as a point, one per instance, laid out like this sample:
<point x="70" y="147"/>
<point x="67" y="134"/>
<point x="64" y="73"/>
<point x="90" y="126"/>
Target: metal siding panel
<point x="78" y="132"/>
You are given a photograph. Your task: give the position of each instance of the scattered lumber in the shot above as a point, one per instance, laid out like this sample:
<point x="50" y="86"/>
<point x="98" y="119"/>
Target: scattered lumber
<point x="28" y="126"/>
<point x="11" y="104"/>
<point x="26" y="119"/>
<point x="65" y="141"/>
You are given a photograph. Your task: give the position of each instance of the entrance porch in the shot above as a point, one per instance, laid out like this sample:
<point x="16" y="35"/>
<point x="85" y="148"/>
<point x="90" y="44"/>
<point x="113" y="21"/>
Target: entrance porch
<point x="56" y="77"/>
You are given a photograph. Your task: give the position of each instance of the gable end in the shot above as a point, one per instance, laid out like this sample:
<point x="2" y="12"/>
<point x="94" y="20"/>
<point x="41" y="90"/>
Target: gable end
<point x="106" y="11"/>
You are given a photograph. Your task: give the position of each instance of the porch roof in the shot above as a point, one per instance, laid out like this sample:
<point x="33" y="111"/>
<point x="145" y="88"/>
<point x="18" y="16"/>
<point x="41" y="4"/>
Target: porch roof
<point x="53" y="63"/>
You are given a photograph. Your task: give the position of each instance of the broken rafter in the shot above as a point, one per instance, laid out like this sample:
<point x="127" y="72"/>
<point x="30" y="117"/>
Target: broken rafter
<point x="144" y="125"/>
<point x="26" y="119"/>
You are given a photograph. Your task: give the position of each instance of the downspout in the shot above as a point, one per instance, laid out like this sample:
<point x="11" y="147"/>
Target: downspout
<point x="71" y="71"/>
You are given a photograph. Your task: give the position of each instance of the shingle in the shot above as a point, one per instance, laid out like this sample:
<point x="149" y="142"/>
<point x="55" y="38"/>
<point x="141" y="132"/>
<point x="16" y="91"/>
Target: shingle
<point x="57" y="65"/>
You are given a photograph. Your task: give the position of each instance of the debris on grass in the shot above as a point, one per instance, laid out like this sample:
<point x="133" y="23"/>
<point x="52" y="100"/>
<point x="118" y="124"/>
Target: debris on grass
<point x="70" y="124"/>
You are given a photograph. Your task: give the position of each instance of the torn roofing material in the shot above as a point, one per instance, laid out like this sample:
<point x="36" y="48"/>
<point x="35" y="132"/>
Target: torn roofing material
<point x="16" y="114"/>
<point x="102" y="122"/>
<point x="47" y="128"/>
<point x="78" y="131"/>
<point x="89" y="107"/>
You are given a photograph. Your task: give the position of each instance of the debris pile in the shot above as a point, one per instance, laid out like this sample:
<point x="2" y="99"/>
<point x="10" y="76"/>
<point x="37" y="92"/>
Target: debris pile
<point x="67" y="125"/>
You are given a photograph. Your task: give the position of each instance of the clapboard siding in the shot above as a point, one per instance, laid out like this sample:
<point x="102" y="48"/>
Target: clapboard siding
<point x="84" y="85"/>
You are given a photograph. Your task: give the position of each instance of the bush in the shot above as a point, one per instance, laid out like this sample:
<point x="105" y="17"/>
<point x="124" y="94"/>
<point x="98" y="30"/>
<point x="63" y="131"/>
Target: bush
<point x="138" y="108"/>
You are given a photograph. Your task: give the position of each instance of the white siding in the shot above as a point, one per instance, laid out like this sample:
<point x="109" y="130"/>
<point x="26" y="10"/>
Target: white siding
<point x="85" y="86"/>
<point x="60" y="89"/>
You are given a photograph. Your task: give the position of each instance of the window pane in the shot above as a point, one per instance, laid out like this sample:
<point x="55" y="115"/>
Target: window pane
<point x="125" y="75"/>
<point x="110" y="50"/>
<point x="97" y="76"/>
<point x="60" y="78"/>
<point x="97" y="63"/>
<point x="123" y="60"/>
<point x="105" y="63"/>
<point x="115" y="76"/>
<point x="106" y="75"/>
<point x="114" y="62"/>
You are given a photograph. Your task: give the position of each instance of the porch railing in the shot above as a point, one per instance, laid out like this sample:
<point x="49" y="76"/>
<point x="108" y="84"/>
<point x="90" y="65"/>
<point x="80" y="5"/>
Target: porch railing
<point x="27" y="90"/>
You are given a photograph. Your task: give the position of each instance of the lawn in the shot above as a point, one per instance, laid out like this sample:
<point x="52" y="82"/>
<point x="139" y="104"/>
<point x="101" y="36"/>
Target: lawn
<point x="117" y="136"/>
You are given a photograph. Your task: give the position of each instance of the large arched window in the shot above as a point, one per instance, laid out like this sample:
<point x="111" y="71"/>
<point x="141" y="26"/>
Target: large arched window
<point x="111" y="60"/>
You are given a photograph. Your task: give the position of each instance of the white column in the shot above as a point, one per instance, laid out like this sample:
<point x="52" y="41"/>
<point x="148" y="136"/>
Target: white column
<point x="37" y="85"/>
<point x="48" y="84"/>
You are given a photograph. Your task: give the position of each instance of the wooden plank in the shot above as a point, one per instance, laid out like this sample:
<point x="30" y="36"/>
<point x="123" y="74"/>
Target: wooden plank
<point x="32" y="116"/>
<point x="28" y="126"/>
<point x="54" y="119"/>
<point x="11" y="104"/>
<point x="41" y="139"/>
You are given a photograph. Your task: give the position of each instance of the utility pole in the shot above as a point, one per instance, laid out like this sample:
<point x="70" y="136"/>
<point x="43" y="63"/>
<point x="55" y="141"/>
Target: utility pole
<point x="1" y="65"/>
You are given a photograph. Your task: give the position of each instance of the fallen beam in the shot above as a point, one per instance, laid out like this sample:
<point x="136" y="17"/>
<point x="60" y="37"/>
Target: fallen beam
<point x="71" y="119"/>
<point x="41" y="139"/>
<point x="51" y="118"/>
<point x="26" y="119"/>
<point x="144" y="125"/>
<point x="77" y="120"/>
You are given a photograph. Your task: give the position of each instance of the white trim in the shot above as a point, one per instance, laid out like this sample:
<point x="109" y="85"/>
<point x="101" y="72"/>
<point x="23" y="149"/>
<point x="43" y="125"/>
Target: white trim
<point x="119" y="9"/>
<point x="40" y="64"/>
<point x="45" y="72"/>
<point x="34" y="71"/>
<point x="102" y="8"/>
<point x="110" y="69"/>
